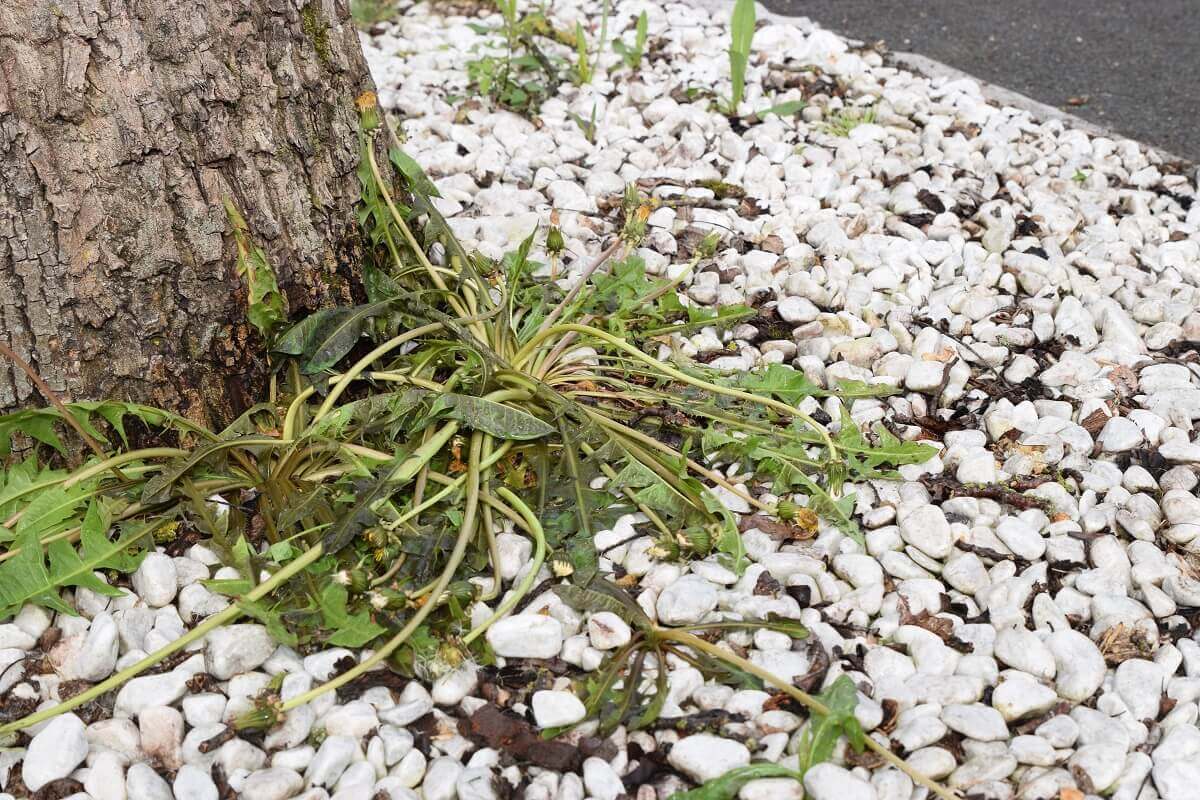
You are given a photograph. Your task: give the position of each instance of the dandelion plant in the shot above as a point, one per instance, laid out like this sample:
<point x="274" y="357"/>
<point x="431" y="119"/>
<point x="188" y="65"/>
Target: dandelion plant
<point x="360" y="502"/>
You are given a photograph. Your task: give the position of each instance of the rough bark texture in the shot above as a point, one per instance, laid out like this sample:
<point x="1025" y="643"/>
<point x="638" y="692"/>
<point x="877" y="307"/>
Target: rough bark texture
<point x="123" y="124"/>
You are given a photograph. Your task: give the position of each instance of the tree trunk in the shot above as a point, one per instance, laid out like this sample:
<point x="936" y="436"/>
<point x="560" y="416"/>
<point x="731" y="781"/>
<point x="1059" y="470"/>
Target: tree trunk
<point x="123" y="126"/>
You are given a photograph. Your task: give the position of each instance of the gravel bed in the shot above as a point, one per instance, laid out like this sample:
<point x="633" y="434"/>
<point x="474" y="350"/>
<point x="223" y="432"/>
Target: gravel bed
<point x="1020" y="623"/>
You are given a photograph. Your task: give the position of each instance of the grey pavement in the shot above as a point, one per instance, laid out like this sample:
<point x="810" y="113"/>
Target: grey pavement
<point x="1134" y="65"/>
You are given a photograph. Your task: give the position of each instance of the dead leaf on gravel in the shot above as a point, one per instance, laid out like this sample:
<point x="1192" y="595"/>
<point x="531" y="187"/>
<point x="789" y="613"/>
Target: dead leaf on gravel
<point x="1122" y="642"/>
<point x="1124" y="379"/>
<point x="943" y="355"/>
<point x="509" y="733"/>
<point x="1094" y="422"/>
<point x="772" y="244"/>
<point x="804" y="527"/>
<point x="941" y="627"/>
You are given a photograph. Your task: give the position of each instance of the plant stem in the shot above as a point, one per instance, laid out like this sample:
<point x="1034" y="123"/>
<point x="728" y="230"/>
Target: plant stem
<point x="418" y="251"/>
<point x="360" y="366"/>
<point x="53" y="397"/>
<point x="456" y="556"/>
<point x="553" y="316"/>
<point x="220" y="618"/>
<point x="683" y="377"/>
<point x="692" y="464"/>
<point x="800" y="696"/>
<point x="539" y="555"/>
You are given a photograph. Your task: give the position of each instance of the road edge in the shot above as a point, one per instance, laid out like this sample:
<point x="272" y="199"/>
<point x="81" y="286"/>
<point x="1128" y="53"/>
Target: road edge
<point x="932" y="68"/>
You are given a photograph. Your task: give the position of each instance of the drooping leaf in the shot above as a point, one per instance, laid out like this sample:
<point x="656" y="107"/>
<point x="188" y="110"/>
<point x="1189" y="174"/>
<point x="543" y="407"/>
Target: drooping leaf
<point x="787" y="108"/>
<point x="301" y="507"/>
<point x="592" y="601"/>
<point x="376" y="412"/>
<point x="26" y="577"/>
<point x="417" y="179"/>
<point x="35" y="424"/>
<point x="379" y="285"/>
<point x="820" y="737"/>
<point x="781" y="382"/>
<point x="265" y="306"/>
<point x="728" y="785"/>
<point x="499" y="420"/>
<point x="50" y="508"/>
<point x="321" y="339"/>
<point x="19" y="482"/>
<point x="351" y="630"/>
<point x="158" y="488"/>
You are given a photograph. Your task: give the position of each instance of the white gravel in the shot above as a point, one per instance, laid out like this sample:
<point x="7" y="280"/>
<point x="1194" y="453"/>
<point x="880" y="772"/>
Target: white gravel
<point x="1032" y="290"/>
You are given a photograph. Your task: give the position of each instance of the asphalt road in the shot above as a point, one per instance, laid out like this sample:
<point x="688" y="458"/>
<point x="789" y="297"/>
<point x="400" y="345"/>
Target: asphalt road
<point x="1135" y="63"/>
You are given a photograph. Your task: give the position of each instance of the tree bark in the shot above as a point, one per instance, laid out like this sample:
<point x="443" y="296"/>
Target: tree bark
<point x="123" y="125"/>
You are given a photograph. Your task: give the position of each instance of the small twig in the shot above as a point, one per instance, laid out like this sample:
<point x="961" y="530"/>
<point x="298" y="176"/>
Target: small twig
<point x="1001" y="494"/>
<point x="50" y="395"/>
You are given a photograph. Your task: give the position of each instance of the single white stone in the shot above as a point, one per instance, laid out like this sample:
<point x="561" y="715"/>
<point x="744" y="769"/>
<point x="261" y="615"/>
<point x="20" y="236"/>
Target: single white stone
<point x="1033" y="750"/>
<point x="331" y="760"/>
<point x="355" y="719"/>
<point x="155" y="580"/>
<point x="414" y="703"/>
<point x="1141" y="684"/>
<point x="927" y="530"/>
<point x="275" y="783"/>
<point x="831" y="782"/>
<point x="1119" y="434"/>
<point x="601" y="780"/>
<point x="797" y="310"/>
<point x="1019" y="696"/>
<point x="451" y="688"/>
<point x="976" y="721"/>
<point x="193" y="783"/>
<point x="1024" y="650"/>
<point x="1102" y="763"/>
<point x="234" y="649"/>
<point x="142" y="782"/>
<point x="13" y="636"/>
<point x="703" y="756"/>
<point x="205" y="708"/>
<point x="686" y="601"/>
<point x="1020" y="537"/>
<point x="55" y="751"/>
<point x="441" y="779"/>
<point x="552" y="709"/>
<point x="526" y="636"/>
<point x="1176" y="780"/>
<point x="106" y="777"/>
<point x="410" y="769"/>
<point x="607" y="631"/>
<point x="96" y="657"/>
<point x="978" y="467"/>
<point x="1080" y="665"/>
<point x="196" y="602"/>
<point x="161" y="730"/>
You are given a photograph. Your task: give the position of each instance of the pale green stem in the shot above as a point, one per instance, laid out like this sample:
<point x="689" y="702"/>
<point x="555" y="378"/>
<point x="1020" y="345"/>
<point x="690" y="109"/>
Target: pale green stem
<point x="679" y="375"/>
<point x="361" y="365"/>
<point x="451" y="486"/>
<point x="695" y="466"/>
<point x="802" y="697"/>
<point x="539" y="555"/>
<point x="566" y="302"/>
<point x="456" y="557"/>
<point x="198" y="632"/>
<point x="454" y="300"/>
